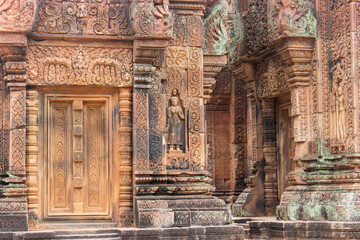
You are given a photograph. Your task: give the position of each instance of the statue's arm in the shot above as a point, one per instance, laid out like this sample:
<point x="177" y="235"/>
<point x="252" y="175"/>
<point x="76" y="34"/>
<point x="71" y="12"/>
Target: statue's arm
<point x="181" y="113"/>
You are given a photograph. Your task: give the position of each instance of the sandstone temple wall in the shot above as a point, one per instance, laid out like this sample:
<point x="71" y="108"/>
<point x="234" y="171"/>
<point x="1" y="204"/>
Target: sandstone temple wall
<point x="167" y="113"/>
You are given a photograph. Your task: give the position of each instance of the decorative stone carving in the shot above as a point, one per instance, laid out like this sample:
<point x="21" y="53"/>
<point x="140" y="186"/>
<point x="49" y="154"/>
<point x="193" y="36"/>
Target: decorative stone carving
<point x="17" y="15"/>
<point x="216" y="37"/>
<point x="271" y="77"/>
<point x="292" y="18"/>
<point x="83" y="18"/>
<point x="256" y="28"/>
<point x="126" y="216"/>
<point x="339" y="94"/>
<point x="175" y="123"/>
<point x="49" y="65"/>
<point x="32" y="184"/>
<point x="151" y="18"/>
<point x="237" y="34"/>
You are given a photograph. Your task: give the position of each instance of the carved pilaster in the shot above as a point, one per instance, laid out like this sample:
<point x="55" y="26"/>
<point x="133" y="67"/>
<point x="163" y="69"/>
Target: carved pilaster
<point x="126" y="214"/>
<point x="16" y="19"/>
<point x="14" y="180"/>
<point x="297" y="55"/>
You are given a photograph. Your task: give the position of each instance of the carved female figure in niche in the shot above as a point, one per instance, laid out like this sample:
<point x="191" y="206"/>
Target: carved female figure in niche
<point x="339" y="114"/>
<point x="341" y="121"/>
<point x="175" y="117"/>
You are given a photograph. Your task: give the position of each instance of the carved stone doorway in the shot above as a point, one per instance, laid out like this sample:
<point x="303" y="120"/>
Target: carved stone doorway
<point x="77" y="135"/>
<point x="285" y="145"/>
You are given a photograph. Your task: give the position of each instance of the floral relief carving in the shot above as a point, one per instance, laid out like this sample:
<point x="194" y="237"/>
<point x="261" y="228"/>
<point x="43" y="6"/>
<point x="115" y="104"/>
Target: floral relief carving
<point x="79" y="66"/>
<point x="78" y="17"/>
<point x="271" y="77"/>
<point x="256" y="28"/>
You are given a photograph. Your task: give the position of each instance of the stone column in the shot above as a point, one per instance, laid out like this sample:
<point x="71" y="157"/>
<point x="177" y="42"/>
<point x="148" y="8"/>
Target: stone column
<point x="126" y="212"/>
<point x="270" y="155"/>
<point x="32" y="129"/>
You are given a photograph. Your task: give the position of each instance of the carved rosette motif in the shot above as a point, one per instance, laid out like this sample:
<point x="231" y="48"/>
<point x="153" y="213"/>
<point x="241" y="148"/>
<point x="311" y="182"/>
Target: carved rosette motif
<point x="49" y="65"/>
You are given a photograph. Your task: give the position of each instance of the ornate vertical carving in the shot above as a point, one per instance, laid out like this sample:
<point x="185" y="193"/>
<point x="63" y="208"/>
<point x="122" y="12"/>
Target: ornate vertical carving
<point x="32" y="108"/>
<point x="126" y="214"/>
<point x="143" y="76"/>
<point x="240" y="132"/>
<point x="15" y="190"/>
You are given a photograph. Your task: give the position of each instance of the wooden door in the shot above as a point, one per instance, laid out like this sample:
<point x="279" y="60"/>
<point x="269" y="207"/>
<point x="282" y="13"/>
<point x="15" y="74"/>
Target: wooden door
<point x="77" y="157"/>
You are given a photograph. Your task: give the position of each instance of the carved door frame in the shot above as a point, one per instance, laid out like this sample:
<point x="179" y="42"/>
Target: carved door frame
<point x="113" y="125"/>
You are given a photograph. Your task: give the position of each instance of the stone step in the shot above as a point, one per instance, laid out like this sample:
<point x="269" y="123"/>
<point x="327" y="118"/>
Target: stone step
<point x="95" y="238"/>
<point x="87" y="236"/>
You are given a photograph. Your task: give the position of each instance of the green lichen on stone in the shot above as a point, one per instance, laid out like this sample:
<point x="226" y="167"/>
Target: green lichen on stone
<point x="215" y="35"/>
<point x="285" y="21"/>
<point x="237" y="37"/>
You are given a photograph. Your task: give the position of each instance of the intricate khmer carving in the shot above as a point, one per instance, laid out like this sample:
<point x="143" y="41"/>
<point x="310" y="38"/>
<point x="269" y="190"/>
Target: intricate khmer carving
<point x="50" y="65"/>
<point x="216" y="37"/>
<point x="83" y="18"/>
<point x="175" y="119"/>
<point x="32" y="105"/>
<point x="151" y="18"/>
<point x="125" y="149"/>
<point x="271" y="76"/>
<point x="292" y="18"/>
<point x="237" y="44"/>
<point x="339" y="94"/>
<point x="17" y="15"/>
<point x="256" y="28"/>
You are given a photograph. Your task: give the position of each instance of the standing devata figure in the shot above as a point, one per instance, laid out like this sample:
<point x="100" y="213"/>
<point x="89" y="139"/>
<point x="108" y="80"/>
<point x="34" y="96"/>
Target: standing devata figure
<point x="175" y="116"/>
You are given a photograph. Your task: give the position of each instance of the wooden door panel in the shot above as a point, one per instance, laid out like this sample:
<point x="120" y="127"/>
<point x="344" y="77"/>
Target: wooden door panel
<point x="95" y="150"/>
<point x="59" y="159"/>
<point x="78" y="158"/>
